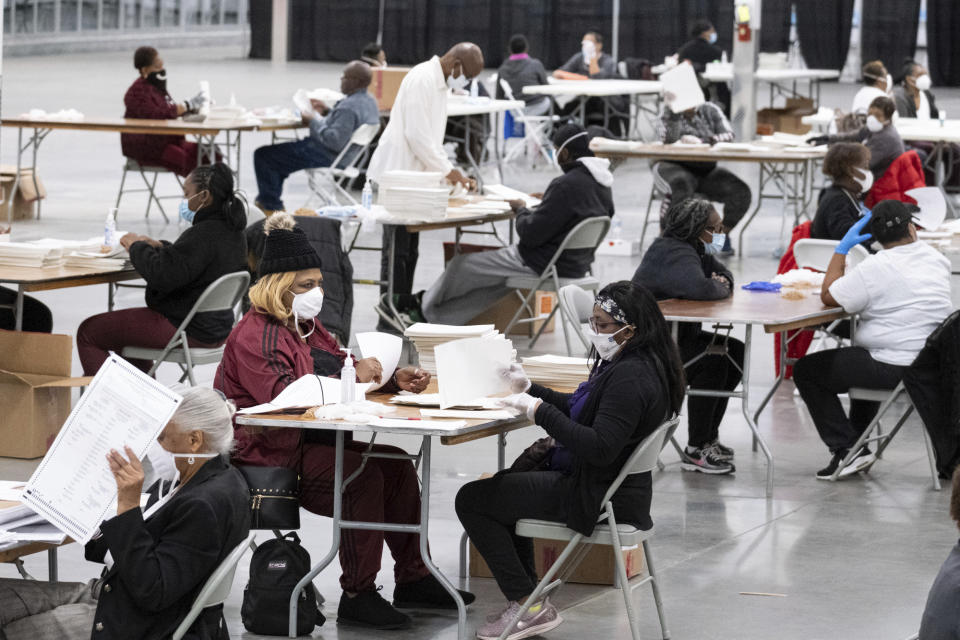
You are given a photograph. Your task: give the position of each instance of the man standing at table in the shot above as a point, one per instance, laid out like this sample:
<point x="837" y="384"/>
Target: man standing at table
<point x="413" y="141"/>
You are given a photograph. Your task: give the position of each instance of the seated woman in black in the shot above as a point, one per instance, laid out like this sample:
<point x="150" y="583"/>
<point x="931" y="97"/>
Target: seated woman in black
<point x="636" y="383"/>
<point x="847" y="164"/>
<point x="680" y="264"/>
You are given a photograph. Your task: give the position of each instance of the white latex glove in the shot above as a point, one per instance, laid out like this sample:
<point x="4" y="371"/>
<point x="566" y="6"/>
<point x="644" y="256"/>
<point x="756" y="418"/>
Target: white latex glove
<point x="522" y="402"/>
<point x="515" y="376"/>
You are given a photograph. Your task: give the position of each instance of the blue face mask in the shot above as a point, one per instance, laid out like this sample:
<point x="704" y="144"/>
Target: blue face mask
<point x="186" y="213"/>
<point x="715" y="245"/>
<point x="713" y="38"/>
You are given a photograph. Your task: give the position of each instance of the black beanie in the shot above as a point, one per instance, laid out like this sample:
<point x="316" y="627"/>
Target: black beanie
<point x="287" y="247"/>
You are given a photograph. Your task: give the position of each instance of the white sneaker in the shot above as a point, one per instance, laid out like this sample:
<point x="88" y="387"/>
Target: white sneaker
<point x="861" y="463"/>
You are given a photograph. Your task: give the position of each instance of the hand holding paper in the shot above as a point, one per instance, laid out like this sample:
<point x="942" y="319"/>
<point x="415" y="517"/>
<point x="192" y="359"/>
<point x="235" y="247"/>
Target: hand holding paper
<point x="129" y="476"/>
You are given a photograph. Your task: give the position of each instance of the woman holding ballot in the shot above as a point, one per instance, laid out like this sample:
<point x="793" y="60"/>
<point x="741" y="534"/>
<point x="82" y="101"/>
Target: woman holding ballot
<point x="157" y="558"/>
<point x="280" y="340"/>
<point x="636" y="383"/>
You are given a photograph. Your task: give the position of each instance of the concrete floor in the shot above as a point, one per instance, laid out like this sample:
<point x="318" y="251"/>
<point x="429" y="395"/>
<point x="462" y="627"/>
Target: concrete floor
<point x="851" y="560"/>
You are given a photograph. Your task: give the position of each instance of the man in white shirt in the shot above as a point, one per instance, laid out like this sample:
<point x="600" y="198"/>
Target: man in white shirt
<point x="900" y="295"/>
<point x="413" y="140"/>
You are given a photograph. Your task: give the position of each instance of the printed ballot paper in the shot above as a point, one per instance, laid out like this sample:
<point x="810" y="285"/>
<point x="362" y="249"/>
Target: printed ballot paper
<point x="73" y="487"/>
<point x="384" y="347"/>
<point x="680" y="88"/>
<point x="470" y="368"/>
<point x="307" y="391"/>
<point x="933" y="207"/>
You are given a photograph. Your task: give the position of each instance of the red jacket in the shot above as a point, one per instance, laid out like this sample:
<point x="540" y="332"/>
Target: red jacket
<point x="261" y="357"/>
<point x="903" y="174"/>
<point x="143" y="100"/>
<point x="798" y="344"/>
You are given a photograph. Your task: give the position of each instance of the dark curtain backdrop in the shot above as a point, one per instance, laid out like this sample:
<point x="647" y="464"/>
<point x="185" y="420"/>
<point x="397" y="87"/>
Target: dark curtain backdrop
<point x="823" y="27"/>
<point x="890" y="32"/>
<point x="775" y="25"/>
<point x="943" y="44"/>
<point x="261" y="22"/>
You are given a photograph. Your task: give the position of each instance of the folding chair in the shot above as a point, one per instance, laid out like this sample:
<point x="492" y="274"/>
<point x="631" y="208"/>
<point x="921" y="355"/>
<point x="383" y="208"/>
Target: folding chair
<point x="587" y="234"/>
<point x="886" y="398"/>
<point x="536" y="129"/>
<point x="341" y="170"/>
<point x="150" y="185"/>
<point x="611" y="534"/>
<point x="578" y="305"/>
<point x="223" y="294"/>
<point x="659" y="190"/>
<point x="217" y="587"/>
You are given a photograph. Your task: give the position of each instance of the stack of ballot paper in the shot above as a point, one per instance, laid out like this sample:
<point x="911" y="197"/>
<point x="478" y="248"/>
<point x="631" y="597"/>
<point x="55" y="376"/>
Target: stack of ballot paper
<point x="22" y="254"/>
<point x="556" y="371"/>
<point x="426" y="336"/>
<point x="116" y="258"/>
<point x="419" y="195"/>
<point x="503" y="192"/>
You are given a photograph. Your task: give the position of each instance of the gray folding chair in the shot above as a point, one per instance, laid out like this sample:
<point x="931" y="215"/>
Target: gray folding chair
<point x="578" y="305"/>
<point x="223" y="294"/>
<point x="886" y="398"/>
<point x="587" y="234"/>
<point x="149" y="184"/>
<point x="341" y="170"/>
<point x="611" y="534"/>
<point x="659" y="190"/>
<point x="217" y="587"/>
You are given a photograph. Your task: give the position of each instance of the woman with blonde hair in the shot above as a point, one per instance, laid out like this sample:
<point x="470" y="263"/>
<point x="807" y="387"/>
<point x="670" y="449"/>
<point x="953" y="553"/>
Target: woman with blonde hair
<point x="281" y="339"/>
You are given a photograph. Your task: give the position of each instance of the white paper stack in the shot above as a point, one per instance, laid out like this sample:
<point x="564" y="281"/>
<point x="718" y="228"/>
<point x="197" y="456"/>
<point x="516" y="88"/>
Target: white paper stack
<point x="503" y="192"/>
<point x="556" y="371"/>
<point x="87" y="253"/>
<point x="426" y="336"/>
<point x="22" y="254"/>
<point x="417" y="195"/>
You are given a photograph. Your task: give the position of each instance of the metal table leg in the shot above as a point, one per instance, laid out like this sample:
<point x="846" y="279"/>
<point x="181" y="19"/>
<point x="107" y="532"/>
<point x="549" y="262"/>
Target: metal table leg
<point x="18" y="310"/>
<point x="52" y="563"/>
<point x="745" y="406"/>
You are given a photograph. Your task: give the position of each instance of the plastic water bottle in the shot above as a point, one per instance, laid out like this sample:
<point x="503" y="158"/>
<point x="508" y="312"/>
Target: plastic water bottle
<point x="617" y="231"/>
<point x="366" y="197"/>
<point x="723" y="58"/>
<point x="943" y="116"/>
<point x="348" y="380"/>
<point x="110" y="228"/>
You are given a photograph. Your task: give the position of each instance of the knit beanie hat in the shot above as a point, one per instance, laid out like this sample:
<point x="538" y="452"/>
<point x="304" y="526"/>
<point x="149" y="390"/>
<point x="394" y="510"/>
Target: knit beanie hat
<point x="287" y="247"/>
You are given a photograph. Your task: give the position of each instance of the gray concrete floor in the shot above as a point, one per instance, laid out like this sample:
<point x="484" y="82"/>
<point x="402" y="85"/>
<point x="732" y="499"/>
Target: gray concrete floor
<point x="852" y="559"/>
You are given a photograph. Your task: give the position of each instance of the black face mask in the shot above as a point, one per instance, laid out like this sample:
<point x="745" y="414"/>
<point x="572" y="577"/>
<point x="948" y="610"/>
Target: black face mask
<point x="158" y="79"/>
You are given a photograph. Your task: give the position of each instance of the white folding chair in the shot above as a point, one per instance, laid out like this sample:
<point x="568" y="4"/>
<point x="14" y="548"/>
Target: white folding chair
<point x="340" y="170"/>
<point x="536" y="130"/>
<point x="611" y="534"/>
<point x="578" y="305"/>
<point x="223" y="294"/>
<point x="149" y="184"/>
<point x="659" y="190"/>
<point x="587" y="234"/>
<point x="886" y="398"/>
<point x="217" y="587"/>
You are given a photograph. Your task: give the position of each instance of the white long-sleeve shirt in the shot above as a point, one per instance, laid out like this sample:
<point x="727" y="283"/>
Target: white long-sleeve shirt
<point x="413" y="139"/>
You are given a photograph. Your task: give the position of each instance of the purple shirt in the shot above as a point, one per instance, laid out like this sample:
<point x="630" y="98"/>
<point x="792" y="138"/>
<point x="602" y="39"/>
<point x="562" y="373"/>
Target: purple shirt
<point x="519" y="56"/>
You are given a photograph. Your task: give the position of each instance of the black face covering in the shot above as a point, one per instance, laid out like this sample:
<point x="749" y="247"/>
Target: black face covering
<point x="158" y="79"/>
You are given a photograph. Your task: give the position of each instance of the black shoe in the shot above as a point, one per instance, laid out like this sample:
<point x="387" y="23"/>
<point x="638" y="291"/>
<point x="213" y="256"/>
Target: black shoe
<point x="369" y="609"/>
<point x="427" y="593"/>
<point x="830" y="469"/>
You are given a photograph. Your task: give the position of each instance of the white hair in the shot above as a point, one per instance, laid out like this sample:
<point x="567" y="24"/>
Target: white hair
<point x="206" y="410"/>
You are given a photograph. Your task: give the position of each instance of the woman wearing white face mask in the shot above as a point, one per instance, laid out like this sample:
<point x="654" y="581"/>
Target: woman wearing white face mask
<point x="847" y="164"/>
<point x="157" y="557"/>
<point x="680" y="264"/>
<point x="876" y="83"/>
<point x="879" y="135"/>
<point x="913" y="97"/>
<point x="636" y="383"/>
<point x="280" y="340"/>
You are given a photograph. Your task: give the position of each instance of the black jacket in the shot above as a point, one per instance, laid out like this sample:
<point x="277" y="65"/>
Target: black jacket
<point x="568" y="200"/>
<point x="160" y="565"/>
<point x="699" y="52"/>
<point x="627" y="403"/>
<point x="836" y="213"/>
<point x="178" y="273"/>
<point x="521" y="73"/>
<point x="673" y="268"/>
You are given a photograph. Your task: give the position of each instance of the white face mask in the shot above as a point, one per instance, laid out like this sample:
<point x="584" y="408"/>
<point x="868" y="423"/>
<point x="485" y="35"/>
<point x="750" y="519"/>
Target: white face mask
<point x="458" y="83"/>
<point x="873" y="124"/>
<point x="924" y="83"/>
<point x="889" y="85"/>
<point x="307" y="305"/>
<point x="605" y="344"/>
<point x="589" y="50"/>
<point x="866" y="182"/>
<point x="715" y="245"/>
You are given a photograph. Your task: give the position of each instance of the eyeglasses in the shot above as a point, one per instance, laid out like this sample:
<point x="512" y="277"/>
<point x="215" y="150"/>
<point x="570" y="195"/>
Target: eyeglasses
<point x="597" y="326"/>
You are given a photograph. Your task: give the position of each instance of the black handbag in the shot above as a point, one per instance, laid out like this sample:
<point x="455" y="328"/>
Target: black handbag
<point x="274" y="495"/>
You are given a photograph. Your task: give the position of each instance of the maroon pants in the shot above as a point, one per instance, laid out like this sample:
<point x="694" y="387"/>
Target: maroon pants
<point x="180" y="158"/>
<point x="385" y="491"/>
<point x="140" y="327"/>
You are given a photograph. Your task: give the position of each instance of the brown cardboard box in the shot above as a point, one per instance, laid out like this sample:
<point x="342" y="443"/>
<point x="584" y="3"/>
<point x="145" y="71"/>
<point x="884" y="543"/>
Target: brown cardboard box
<point x="386" y="84"/>
<point x="34" y="390"/>
<point x="597" y="567"/>
<point x="27" y="193"/>
<point x="500" y="314"/>
<point x="790" y="118"/>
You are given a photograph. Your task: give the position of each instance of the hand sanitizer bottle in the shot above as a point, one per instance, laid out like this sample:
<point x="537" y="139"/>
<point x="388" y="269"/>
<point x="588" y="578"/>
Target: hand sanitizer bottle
<point x="110" y="229"/>
<point x="348" y="380"/>
<point x="366" y="196"/>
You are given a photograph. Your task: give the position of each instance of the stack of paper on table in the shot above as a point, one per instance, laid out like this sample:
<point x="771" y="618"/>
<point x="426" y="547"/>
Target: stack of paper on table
<point x="19" y="523"/>
<point x="427" y="336"/>
<point x="432" y="401"/>
<point x="419" y="195"/>
<point x="556" y="371"/>
<point x="86" y="253"/>
<point x="503" y="192"/>
<point x="22" y="254"/>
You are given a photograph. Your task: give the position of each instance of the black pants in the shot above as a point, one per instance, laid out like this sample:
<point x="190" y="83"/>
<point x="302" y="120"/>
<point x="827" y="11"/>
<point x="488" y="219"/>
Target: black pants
<point x="489" y="510"/>
<point x="822" y="375"/>
<point x="684" y="181"/>
<point x="36" y="315"/>
<point x="713" y="372"/>
<point x="406" y="252"/>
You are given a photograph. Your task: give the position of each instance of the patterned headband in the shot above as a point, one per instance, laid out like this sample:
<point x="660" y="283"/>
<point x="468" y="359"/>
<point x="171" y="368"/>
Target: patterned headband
<point x="610" y="306"/>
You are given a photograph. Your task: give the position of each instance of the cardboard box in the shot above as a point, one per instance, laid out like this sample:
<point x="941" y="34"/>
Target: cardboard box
<point x="597" y="567"/>
<point x="35" y="387"/>
<point x="27" y="192"/>
<point x="386" y="84"/>
<point x="790" y="118"/>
